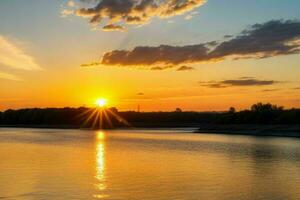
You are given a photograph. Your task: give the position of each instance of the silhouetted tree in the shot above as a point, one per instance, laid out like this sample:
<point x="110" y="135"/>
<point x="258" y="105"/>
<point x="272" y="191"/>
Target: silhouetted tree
<point x="260" y="107"/>
<point x="178" y="110"/>
<point x="231" y="110"/>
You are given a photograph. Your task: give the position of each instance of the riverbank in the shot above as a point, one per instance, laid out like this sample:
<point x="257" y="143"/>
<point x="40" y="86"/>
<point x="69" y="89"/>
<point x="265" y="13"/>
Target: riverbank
<point x="136" y="125"/>
<point x="232" y="129"/>
<point x="41" y="126"/>
<point x="255" y="130"/>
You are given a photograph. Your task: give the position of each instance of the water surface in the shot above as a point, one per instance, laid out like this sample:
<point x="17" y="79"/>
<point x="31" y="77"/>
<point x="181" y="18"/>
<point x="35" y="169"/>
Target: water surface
<point x="146" y="164"/>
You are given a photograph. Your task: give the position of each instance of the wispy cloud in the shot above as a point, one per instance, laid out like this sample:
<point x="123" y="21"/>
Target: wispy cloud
<point x="92" y="64"/>
<point x="240" y="82"/>
<point x="188" y="17"/>
<point x="66" y="12"/>
<point x="113" y="27"/>
<point x="71" y="3"/>
<point x="185" y="68"/>
<point x="11" y="55"/>
<point x="9" y="76"/>
<point x="270" y="90"/>
<point x="164" y="67"/>
<point x="270" y="39"/>
<point x="121" y="13"/>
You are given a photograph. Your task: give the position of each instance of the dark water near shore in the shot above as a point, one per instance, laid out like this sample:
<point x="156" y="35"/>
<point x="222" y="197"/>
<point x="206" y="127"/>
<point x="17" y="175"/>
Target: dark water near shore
<point x="146" y="164"/>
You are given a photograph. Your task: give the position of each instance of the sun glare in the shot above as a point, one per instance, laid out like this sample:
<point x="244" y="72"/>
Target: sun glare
<point x="100" y="135"/>
<point x="101" y="102"/>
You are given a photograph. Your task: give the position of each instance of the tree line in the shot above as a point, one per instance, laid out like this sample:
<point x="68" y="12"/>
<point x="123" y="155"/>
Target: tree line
<point x="78" y="117"/>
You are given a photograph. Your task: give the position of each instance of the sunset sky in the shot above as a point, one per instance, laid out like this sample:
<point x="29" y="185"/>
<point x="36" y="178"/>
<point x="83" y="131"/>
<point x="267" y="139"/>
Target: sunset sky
<point x="193" y="54"/>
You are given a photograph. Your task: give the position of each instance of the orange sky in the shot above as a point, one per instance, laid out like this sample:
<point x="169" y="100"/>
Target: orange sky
<point x="41" y="63"/>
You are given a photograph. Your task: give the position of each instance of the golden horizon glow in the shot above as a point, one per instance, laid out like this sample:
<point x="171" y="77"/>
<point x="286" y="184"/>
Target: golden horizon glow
<point x="101" y="102"/>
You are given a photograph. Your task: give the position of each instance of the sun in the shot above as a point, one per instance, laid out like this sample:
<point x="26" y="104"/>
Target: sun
<point x="101" y="102"/>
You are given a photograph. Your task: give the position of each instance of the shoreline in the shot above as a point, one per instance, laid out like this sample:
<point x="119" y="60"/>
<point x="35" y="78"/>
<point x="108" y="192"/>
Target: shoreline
<point x="252" y="130"/>
<point x="134" y="125"/>
<point x="231" y="129"/>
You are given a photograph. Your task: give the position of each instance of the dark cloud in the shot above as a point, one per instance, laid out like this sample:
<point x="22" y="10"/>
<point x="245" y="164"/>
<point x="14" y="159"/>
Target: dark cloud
<point x="241" y="82"/>
<point x="185" y="68"/>
<point x="212" y="43"/>
<point x="157" y="68"/>
<point x="248" y="82"/>
<point x="270" y="90"/>
<point x="140" y="94"/>
<point x="112" y="27"/>
<point x="92" y="64"/>
<point x="212" y="84"/>
<point x="164" y="54"/>
<point x="246" y="77"/>
<point x="161" y="67"/>
<point x="228" y="36"/>
<point x="273" y="38"/>
<point x="270" y="39"/>
<point x="134" y="11"/>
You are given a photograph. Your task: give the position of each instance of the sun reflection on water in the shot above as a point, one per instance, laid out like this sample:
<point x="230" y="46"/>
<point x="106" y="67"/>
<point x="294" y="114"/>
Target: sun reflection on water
<point x="100" y="136"/>
<point x="100" y="165"/>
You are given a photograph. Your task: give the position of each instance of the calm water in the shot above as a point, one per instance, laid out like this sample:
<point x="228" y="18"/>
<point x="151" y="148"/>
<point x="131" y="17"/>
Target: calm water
<point x="146" y="164"/>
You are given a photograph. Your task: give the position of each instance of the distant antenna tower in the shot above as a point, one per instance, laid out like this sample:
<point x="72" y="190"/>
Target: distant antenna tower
<point x="139" y="108"/>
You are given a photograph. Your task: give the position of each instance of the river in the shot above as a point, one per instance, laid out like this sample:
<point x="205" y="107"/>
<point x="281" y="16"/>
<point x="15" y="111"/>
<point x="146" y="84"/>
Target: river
<point x="154" y="164"/>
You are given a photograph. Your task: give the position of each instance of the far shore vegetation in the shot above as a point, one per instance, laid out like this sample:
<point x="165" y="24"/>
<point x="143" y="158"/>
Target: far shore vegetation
<point x="262" y="119"/>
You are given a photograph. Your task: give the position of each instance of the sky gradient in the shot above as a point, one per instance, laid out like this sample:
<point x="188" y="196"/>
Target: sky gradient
<point x="197" y="55"/>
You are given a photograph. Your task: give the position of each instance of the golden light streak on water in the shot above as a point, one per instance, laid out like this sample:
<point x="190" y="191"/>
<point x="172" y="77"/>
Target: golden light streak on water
<point x="100" y="165"/>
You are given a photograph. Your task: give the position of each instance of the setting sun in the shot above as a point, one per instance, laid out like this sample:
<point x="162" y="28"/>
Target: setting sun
<point x="101" y="102"/>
